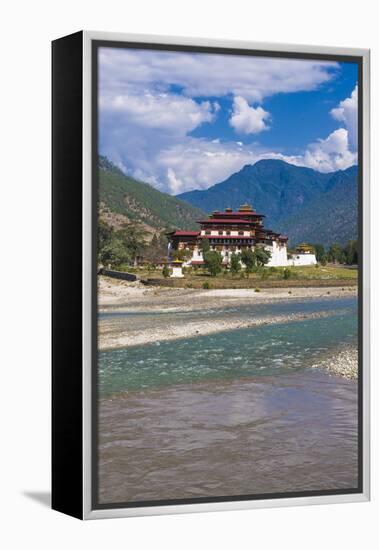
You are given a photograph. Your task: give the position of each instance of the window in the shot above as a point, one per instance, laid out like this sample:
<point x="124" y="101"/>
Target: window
<point x="228" y="232"/>
<point x="208" y="232"/>
<point x="220" y="232"/>
<point x="240" y="232"/>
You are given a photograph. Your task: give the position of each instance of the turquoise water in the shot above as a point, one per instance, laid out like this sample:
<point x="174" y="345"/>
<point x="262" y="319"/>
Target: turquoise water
<point x="263" y="350"/>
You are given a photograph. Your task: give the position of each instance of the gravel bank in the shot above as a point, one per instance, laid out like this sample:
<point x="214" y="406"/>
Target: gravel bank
<point x="344" y="363"/>
<point x="115" y="295"/>
<point x="111" y="339"/>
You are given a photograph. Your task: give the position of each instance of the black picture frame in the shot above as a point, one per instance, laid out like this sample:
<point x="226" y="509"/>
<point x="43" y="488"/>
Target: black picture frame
<point x="70" y="434"/>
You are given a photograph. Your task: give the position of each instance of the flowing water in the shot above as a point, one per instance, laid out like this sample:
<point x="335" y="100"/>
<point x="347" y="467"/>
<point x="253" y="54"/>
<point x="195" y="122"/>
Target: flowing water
<point x="237" y="412"/>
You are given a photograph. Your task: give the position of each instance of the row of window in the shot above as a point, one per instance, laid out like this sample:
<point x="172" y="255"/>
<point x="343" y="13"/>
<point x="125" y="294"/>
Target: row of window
<point x="208" y="232"/>
<point x="227" y="241"/>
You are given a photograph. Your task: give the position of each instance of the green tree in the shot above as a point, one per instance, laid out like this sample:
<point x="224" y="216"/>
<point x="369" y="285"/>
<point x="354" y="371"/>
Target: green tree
<point x="182" y="254"/>
<point x="248" y="258"/>
<point x="319" y="251"/>
<point x="336" y="254"/>
<point x="235" y="265"/>
<point x="133" y="236"/>
<point x="205" y="247"/>
<point x="213" y="262"/>
<point x="110" y="247"/>
<point x="104" y="234"/>
<point x="262" y="256"/>
<point x="351" y="252"/>
<point x="165" y="272"/>
<point x="114" y="252"/>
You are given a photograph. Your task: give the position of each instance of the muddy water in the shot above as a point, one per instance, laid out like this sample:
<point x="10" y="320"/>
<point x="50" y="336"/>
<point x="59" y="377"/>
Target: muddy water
<point x="294" y="432"/>
<point x="233" y="413"/>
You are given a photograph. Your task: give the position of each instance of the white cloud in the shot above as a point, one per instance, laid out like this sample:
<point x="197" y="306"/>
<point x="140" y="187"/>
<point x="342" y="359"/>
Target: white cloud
<point x="149" y="103"/>
<point x="200" y="163"/>
<point x="332" y="153"/>
<point x="347" y="112"/>
<point x="160" y="110"/>
<point x="175" y="184"/>
<point x="246" y="119"/>
<point x="199" y="75"/>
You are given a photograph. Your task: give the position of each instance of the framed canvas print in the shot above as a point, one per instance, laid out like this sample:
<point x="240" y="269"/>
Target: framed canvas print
<point x="210" y="275"/>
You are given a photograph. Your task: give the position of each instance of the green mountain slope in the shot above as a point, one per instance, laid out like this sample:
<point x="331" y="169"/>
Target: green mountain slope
<point x="332" y="217"/>
<point x="305" y="204"/>
<point x="123" y="196"/>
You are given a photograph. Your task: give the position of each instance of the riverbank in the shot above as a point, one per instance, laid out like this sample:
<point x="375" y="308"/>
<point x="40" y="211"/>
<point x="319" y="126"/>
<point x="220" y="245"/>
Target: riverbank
<point x="343" y="363"/>
<point x="112" y="339"/>
<point x="165" y="314"/>
<point x="116" y="295"/>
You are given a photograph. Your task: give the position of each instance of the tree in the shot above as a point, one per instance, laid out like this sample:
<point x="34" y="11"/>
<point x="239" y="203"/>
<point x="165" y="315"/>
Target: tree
<point x="262" y="256"/>
<point x="182" y="254"/>
<point x="213" y="262"/>
<point x="248" y="258"/>
<point x="114" y="252"/>
<point x="104" y="234"/>
<point x="110" y="247"/>
<point x="319" y="251"/>
<point x="204" y="246"/>
<point x="165" y="271"/>
<point x="235" y="265"/>
<point x="133" y="236"/>
<point x="351" y="252"/>
<point x="336" y="254"/>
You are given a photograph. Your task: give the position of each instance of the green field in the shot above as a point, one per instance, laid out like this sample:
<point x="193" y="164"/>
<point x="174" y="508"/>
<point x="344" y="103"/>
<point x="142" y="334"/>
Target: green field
<point x="329" y="275"/>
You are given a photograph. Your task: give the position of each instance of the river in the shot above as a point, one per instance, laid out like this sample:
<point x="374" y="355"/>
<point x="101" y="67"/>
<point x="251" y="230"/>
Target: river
<point x="232" y="413"/>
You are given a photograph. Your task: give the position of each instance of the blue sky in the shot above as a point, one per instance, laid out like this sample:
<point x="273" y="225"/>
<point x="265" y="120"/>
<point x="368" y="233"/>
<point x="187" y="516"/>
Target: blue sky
<point x="183" y="121"/>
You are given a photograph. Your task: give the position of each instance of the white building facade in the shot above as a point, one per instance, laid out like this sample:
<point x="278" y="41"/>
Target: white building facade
<point x="231" y="232"/>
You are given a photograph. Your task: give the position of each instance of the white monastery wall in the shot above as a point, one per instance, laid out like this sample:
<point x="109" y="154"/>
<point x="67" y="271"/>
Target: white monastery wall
<point x="303" y="259"/>
<point x="278" y="255"/>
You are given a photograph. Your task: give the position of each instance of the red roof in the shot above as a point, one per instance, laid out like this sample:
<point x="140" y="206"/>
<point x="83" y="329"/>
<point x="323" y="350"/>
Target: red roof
<point x="197" y="262"/>
<point x="226" y="237"/>
<point x="222" y="221"/>
<point x="245" y="213"/>
<point x="185" y="233"/>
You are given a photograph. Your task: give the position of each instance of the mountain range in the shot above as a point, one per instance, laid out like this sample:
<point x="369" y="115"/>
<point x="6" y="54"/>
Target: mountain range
<point x="304" y="204"/>
<point x="124" y="199"/>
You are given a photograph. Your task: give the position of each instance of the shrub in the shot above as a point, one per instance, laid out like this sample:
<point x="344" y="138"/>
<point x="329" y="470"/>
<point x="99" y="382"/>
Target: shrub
<point x="206" y="285"/>
<point x="257" y="289"/>
<point x="248" y="258"/>
<point x="287" y="273"/>
<point x="165" y="271"/>
<point x="213" y="262"/>
<point x="235" y="265"/>
<point x="265" y="274"/>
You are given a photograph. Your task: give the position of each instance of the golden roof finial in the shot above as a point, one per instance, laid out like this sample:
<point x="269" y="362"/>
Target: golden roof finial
<point x="245" y="208"/>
